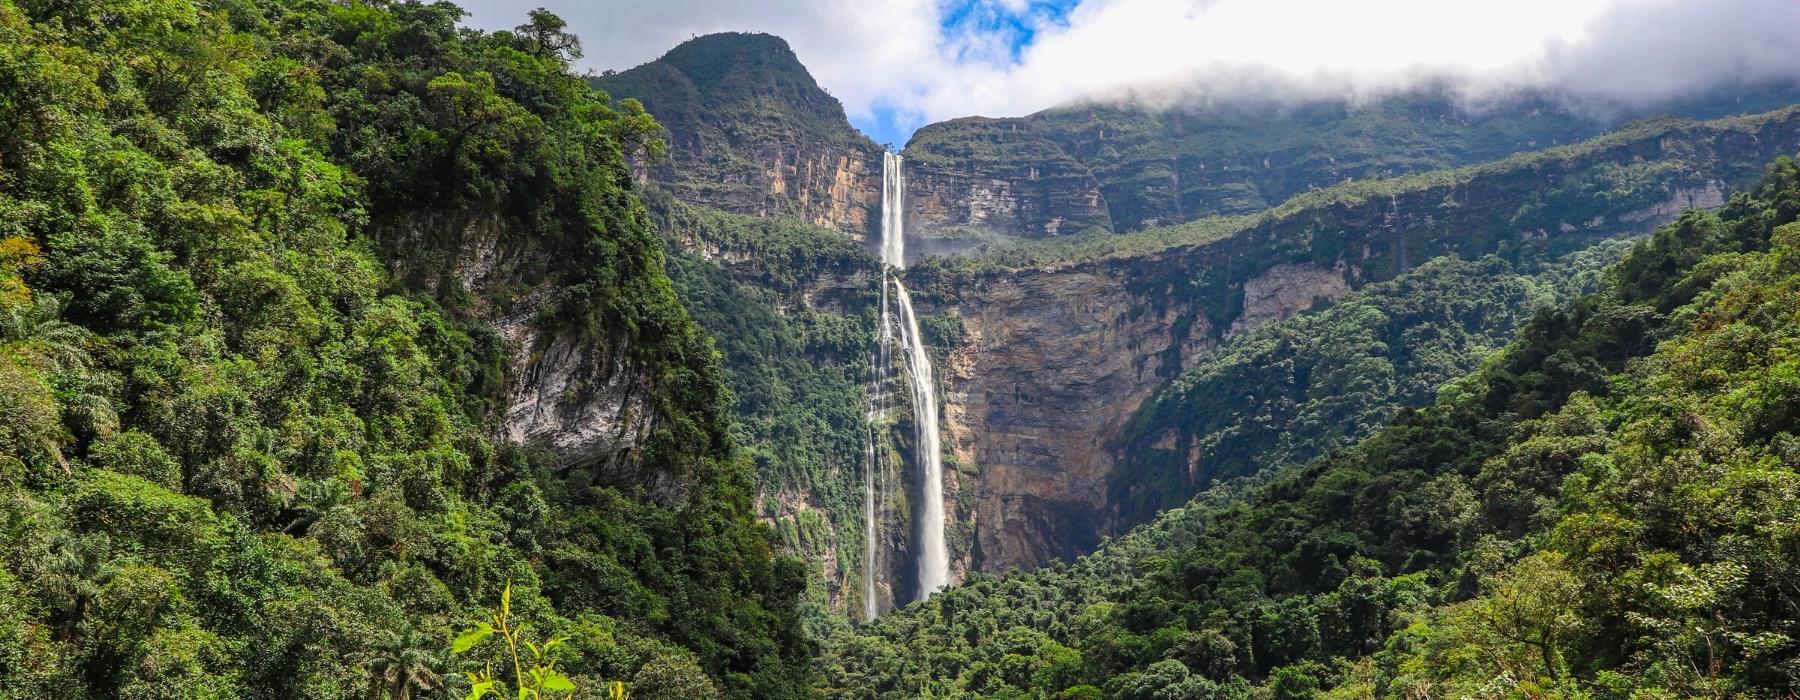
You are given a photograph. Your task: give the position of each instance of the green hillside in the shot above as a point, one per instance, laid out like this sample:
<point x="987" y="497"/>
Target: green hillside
<point x="245" y="459"/>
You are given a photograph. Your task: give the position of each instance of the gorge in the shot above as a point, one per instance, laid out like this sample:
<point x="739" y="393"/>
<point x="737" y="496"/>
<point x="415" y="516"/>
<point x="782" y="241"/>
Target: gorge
<point x="349" y="351"/>
<point x="1054" y="330"/>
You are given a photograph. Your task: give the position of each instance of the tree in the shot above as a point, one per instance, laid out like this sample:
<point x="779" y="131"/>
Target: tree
<point x="1534" y="605"/>
<point x="404" y="661"/>
<point x="533" y="676"/>
<point x="547" y="32"/>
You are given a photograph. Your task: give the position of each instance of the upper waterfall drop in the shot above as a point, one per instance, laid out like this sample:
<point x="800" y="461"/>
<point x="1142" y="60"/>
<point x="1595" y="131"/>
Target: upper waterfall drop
<point x="893" y="219"/>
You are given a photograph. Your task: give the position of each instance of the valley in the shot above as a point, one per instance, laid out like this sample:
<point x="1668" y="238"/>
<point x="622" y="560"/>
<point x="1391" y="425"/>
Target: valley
<point x="1051" y="344"/>
<point x="374" y="350"/>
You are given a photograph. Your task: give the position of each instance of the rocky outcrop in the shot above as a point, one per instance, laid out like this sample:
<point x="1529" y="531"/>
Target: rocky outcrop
<point x="583" y="398"/>
<point x="1285" y="290"/>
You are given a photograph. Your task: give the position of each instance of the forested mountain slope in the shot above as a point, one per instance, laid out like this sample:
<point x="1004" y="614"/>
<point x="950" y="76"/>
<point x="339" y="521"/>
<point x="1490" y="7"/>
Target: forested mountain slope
<point x="751" y="133"/>
<point x="280" y="284"/>
<point x="1604" y="509"/>
<point x="793" y="308"/>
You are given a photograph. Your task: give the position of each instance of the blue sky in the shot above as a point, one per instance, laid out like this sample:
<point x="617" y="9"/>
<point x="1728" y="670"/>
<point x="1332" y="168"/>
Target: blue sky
<point x="1000" y="31"/>
<point x="899" y="64"/>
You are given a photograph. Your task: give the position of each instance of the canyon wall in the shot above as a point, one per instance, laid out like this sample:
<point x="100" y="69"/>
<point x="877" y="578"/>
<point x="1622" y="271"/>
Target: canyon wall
<point x="1056" y="357"/>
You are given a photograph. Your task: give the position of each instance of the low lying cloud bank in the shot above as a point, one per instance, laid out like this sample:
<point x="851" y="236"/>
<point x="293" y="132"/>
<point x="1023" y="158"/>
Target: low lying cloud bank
<point x="898" y="60"/>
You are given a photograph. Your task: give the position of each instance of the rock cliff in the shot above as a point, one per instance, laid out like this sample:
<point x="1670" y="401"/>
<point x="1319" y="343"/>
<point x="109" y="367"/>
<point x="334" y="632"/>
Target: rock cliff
<point x="587" y="400"/>
<point x="970" y="180"/>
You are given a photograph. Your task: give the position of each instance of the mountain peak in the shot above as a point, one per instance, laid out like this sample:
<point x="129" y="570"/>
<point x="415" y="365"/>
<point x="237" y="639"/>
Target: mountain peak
<point x="751" y="132"/>
<point x="733" y="78"/>
<point x="712" y="57"/>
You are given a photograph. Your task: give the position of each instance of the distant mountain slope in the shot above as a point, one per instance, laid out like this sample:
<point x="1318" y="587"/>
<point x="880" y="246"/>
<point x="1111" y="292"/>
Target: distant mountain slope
<point x="1603" y="510"/>
<point x="1125" y="168"/>
<point x="750" y="132"/>
<point x="1063" y="339"/>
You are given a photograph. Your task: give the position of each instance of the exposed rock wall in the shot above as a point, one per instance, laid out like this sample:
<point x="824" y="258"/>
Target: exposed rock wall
<point x="584" y="399"/>
<point x="1288" y="289"/>
<point x="1154" y="166"/>
<point x="1054" y="362"/>
<point x="835" y="187"/>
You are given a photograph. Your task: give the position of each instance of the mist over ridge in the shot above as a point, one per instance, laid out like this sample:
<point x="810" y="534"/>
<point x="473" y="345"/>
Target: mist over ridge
<point x="900" y="65"/>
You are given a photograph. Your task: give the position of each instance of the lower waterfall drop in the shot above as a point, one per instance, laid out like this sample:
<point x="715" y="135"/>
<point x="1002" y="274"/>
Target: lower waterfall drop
<point x="934" y="554"/>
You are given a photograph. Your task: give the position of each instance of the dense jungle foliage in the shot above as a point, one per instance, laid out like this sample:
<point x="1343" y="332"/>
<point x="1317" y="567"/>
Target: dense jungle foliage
<point x="1289" y="392"/>
<point x="244" y="459"/>
<point x="1604" y="510"/>
<point x="793" y="308"/>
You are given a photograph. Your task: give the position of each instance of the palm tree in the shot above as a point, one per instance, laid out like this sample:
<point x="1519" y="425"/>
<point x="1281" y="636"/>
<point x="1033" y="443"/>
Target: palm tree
<point x="78" y="567"/>
<point x="37" y="331"/>
<point x="402" y="662"/>
<point x="38" y="328"/>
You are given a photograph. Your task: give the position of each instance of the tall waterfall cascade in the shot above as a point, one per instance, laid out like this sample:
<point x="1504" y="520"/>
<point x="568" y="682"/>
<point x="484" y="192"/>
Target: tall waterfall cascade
<point x="899" y="324"/>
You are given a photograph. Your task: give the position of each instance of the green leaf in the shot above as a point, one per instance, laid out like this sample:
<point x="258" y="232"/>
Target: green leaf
<point x="480" y="690"/>
<point x="471" y="637"/>
<point x="555" y="680"/>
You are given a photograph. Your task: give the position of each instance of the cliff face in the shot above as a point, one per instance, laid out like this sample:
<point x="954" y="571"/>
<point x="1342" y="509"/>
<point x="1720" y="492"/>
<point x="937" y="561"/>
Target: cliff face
<point x="585" y="399"/>
<point x="970" y="180"/>
<point x="750" y="132"/>
<point x="1052" y="364"/>
<point x="1057" y="357"/>
<point x="774" y="175"/>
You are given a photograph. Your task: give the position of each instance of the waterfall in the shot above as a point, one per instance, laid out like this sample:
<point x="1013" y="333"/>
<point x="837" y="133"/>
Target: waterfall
<point x="869" y="540"/>
<point x="934" y="556"/>
<point x="933" y="552"/>
<point x="893" y="220"/>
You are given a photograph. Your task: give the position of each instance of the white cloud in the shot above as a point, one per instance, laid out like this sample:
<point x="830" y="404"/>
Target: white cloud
<point x="892" y="53"/>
